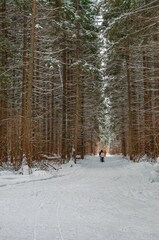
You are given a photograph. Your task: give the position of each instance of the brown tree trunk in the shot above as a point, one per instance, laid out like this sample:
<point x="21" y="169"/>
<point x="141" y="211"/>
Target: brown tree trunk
<point x="30" y="83"/>
<point x="129" y="106"/>
<point x="77" y="81"/>
<point x="24" y="87"/>
<point x="64" y="117"/>
<point x="82" y="123"/>
<point x="3" y="84"/>
<point x="149" y="140"/>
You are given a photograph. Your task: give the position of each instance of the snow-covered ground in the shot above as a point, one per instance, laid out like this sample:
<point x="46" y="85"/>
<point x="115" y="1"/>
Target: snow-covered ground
<point x="114" y="200"/>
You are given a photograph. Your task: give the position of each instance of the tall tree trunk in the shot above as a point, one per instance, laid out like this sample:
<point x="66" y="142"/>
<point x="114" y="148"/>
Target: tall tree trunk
<point x="64" y="117"/>
<point x="149" y="140"/>
<point x="30" y="83"/>
<point x="156" y="100"/>
<point x="77" y="81"/>
<point x="3" y="84"/>
<point x="123" y="133"/>
<point x="24" y="87"/>
<point x="129" y="105"/>
<point x="52" y="118"/>
<point x="82" y="123"/>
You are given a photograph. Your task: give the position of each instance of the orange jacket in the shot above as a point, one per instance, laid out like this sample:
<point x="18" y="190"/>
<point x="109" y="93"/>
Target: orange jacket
<point x="105" y="152"/>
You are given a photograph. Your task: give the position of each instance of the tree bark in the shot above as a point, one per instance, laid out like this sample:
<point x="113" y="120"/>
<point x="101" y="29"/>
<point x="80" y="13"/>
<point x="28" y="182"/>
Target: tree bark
<point x="129" y="106"/>
<point x="30" y="84"/>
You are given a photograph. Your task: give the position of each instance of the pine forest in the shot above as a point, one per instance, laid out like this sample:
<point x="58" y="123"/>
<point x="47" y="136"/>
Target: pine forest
<point x="76" y="74"/>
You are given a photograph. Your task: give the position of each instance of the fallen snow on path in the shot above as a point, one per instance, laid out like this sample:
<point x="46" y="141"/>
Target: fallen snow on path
<point x="114" y="200"/>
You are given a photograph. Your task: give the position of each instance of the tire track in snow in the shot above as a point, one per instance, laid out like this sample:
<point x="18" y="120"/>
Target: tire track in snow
<point x="30" y="181"/>
<point x="37" y="217"/>
<point x="58" y="221"/>
<point x="76" y="173"/>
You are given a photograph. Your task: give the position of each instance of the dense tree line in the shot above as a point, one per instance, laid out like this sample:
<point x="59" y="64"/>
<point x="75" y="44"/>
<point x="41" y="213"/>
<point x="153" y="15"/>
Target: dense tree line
<point x="131" y="59"/>
<point x="50" y="79"/>
<point x="51" y="90"/>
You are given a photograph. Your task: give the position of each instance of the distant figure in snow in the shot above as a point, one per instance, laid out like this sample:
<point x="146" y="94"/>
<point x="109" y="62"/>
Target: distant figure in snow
<point x="74" y="154"/>
<point x="101" y="155"/>
<point x="105" y="152"/>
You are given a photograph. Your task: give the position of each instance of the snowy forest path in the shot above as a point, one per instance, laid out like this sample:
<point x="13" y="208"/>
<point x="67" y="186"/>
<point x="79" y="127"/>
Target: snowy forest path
<point x="89" y="201"/>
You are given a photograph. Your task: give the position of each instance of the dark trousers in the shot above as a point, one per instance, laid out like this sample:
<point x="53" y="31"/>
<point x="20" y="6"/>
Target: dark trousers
<point x="102" y="159"/>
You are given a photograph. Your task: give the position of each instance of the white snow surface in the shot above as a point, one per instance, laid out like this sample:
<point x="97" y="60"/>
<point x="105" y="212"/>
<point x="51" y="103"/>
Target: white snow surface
<point x="114" y="200"/>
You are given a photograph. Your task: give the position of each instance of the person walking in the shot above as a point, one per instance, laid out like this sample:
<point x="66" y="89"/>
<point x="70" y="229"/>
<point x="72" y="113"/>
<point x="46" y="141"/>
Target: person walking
<point x="105" y="152"/>
<point x="101" y="154"/>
